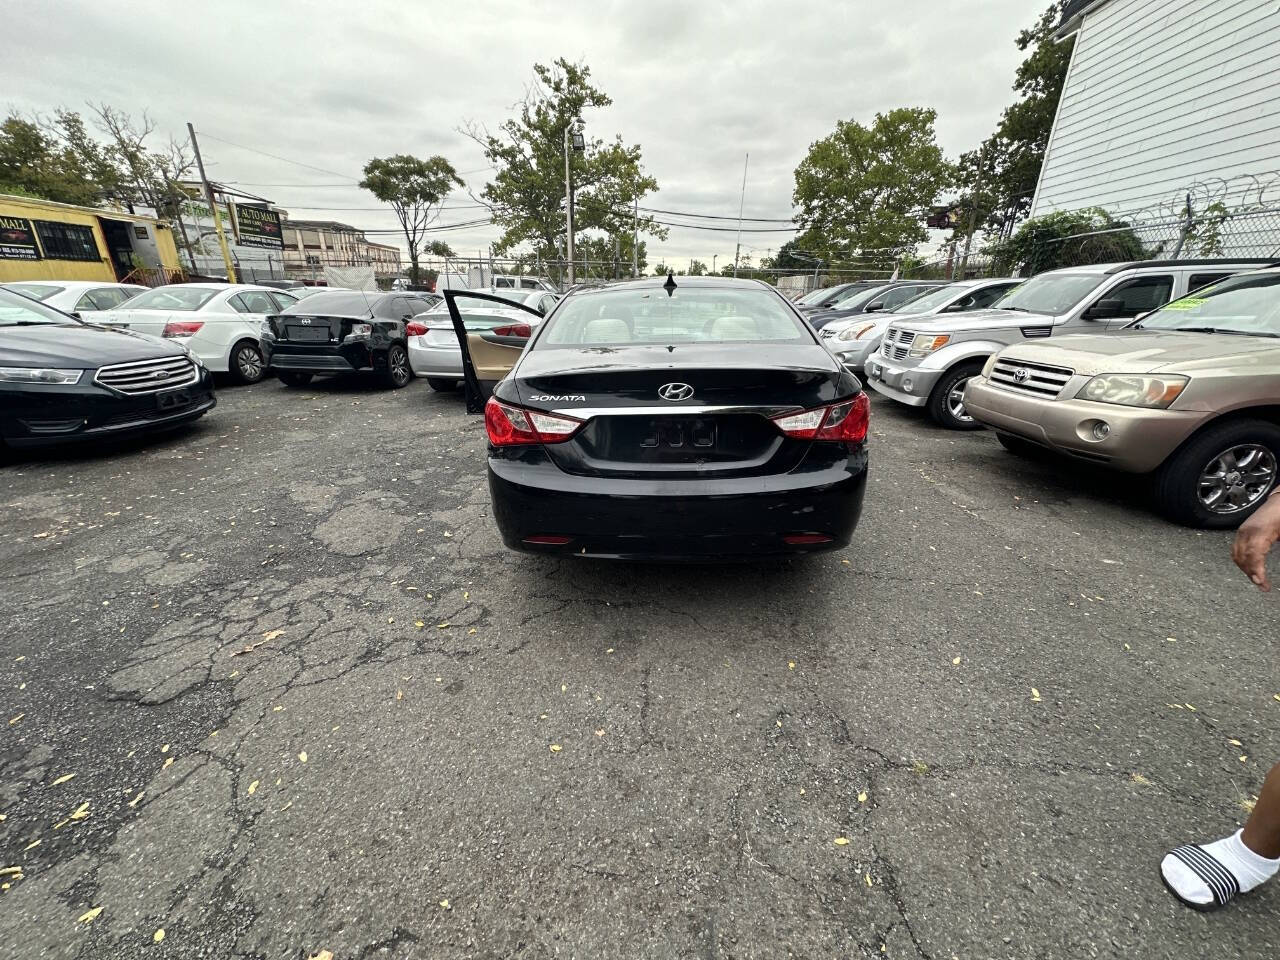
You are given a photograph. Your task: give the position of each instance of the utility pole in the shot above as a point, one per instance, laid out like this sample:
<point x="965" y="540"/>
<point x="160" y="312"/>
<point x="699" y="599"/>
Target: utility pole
<point x="973" y="210"/>
<point x="213" y="207"/>
<point x="182" y="227"/>
<point x="713" y="263"/>
<point x="616" y="274"/>
<point x="737" y="247"/>
<point x="635" y="237"/>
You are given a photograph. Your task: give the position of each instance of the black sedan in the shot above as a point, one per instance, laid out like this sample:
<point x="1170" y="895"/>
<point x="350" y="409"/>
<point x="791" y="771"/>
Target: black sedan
<point x="344" y="332"/>
<point x="694" y="421"/>
<point x="63" y="380"/>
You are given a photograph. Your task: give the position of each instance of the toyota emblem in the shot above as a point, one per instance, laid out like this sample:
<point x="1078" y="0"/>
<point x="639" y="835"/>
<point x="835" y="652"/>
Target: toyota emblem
<point x="675" y="392"/>
<point x="1022" y="375"/>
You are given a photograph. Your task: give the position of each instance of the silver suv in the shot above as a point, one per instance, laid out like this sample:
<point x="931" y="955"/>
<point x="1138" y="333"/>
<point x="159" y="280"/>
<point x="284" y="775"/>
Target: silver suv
<point x="927" y="362"/>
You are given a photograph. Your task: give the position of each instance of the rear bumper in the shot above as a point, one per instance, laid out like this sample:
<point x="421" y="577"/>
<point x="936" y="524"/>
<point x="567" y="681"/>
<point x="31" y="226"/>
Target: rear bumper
<point x="737" y="519"/>
<point x="1139" y="439"/>
<point x="43" y="416"/>
<point x="317" y="358"/>
<point x="909" y="385"/>
<point x="429" y="361"/>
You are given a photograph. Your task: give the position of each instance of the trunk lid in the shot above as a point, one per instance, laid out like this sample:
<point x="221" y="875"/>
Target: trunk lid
<point x="721" y="428"/>
<point x="312" y="327"/>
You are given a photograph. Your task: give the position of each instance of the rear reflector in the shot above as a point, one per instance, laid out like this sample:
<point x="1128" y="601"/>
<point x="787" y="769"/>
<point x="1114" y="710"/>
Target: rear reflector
<point x="548" y="541"/>
<point x="509" y="425"/>
<point x="182" y="328"/>
<point x="803" y="539"/>
<point x="844" y="422"/>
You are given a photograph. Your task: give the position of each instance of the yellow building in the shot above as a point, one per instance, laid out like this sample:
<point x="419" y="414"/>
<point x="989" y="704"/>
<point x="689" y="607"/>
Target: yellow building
<point x="43" y="240"/>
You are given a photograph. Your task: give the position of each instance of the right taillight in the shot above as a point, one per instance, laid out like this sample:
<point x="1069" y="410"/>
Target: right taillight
<point x="509" y="426"/>
<point x="844" y="422"/>
<point x="182" y="328"/>
<point x="514" y="330"/>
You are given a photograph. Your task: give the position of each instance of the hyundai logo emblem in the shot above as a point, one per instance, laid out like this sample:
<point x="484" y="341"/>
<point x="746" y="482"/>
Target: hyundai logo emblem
<point x="675" y="391"/>
<point x="1022" y="375"/>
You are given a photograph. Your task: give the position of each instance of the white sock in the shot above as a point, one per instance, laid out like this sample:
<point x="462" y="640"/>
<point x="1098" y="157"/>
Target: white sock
<point x="1249" y="869"/>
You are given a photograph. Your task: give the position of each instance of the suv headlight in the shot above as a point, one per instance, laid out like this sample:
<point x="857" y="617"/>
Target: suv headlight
<point x="39" y="375"/>
<point x="926" y="343"/>
<point x="856" y="332"/>
<point x="1133" y="391"/>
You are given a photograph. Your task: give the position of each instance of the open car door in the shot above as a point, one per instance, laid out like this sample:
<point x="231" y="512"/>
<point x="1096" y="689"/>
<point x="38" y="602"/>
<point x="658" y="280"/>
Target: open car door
<point x="487" y="355"/>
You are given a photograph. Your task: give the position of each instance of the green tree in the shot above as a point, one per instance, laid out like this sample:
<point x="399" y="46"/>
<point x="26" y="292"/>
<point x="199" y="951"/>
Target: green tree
<point x="526" y="194"/>
<point x="697" y="268"/>
<point x="415" y="190"/>
<point x="1068" y="238"/>
<point x="34" y="162"/>
<point x="1000" y="177"/>
<point x="438" y="248"/>
<point x="661" y="270"/>
<point x="867" y="188"/>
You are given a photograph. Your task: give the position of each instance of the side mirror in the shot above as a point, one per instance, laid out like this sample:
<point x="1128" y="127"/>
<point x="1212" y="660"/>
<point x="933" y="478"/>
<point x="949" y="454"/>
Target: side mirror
<point x="1105" y="310"/>
<point x="76" y="314"/>
<point x="874" y="307"/>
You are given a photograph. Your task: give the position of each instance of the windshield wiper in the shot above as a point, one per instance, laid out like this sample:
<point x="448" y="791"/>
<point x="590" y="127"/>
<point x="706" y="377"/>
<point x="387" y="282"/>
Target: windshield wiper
<point x="1246" y="333"/>
<point x="1016" y="309"/>
<point x="33" y="323"/>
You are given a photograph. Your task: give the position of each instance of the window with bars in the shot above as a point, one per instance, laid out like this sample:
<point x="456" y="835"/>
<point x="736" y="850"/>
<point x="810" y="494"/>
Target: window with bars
<point x="67" y="241"/>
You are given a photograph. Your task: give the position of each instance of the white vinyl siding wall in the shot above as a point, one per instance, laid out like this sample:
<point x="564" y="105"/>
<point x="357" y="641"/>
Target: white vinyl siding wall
<point x="1162" y="96"/>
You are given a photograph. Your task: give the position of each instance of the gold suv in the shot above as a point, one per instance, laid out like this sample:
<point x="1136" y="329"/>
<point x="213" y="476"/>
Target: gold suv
<point x="1190" y="393"/>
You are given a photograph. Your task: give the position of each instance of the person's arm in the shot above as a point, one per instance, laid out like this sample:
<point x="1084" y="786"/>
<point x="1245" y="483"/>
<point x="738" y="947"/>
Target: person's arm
<point x="1254" y="540"/>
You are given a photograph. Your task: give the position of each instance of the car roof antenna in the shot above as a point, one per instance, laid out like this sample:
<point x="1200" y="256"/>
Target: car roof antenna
<point x="670" y="285"/>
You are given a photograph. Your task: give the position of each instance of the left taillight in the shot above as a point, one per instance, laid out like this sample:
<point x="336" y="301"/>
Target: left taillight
<point x="844" y="422"/>
<point x="182" y="328"/>
<point x="509" y="426"/>
<point x="415" y="329"/>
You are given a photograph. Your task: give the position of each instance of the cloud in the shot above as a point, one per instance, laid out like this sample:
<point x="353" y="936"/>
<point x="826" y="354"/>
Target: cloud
<point x="697" y="85"/>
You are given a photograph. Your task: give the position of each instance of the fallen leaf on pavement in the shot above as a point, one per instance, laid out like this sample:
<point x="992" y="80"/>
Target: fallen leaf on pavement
<point x="868" y="879"/>
<point x="253" y="788"/>
<point x="862" y="797"/>
<point x="272" y="634"/>
<point x="1140" y="779"/>
<point x="1035" y="695"/>
<point x="599" y="733"/>
<point x="419" y="624"/>
<point x="134" y="801"/>
<point x="16" y="719"/>
<point x="167" y="764"/>
<point x="303" y="756"/>
<point x="791" y="664"/>
<point x="556" y="748"/>
<point x="445" y="905"/>
<point x="399" y="694"/>
<point x="165" y="748"/>
<point x="33" y="843"/>
<point x="62" y="779"/>
<point x="158" y="935"/>
<point x="955" y="662"/>
<point x="89" y="915"/>
<point x="841" y="841"/>
<point x="322" y="955"/>
<point x="80" y="812"/>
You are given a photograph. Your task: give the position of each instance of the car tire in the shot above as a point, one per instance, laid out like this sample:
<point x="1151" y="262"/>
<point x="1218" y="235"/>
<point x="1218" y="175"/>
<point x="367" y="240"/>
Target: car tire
<point x="442" y="384"/>
<point x="1239" y="449"/>
<point x="247" y="365"/>
<point x="943" y="405"/>
<point x="1019" y="446"/>
<point x="395" y="371"/>
<point x="294" y="379"/>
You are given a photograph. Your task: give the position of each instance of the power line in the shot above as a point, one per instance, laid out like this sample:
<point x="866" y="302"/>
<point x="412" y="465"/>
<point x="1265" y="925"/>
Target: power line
<point x="273" y="156"/>
<point x="708" y="216"/>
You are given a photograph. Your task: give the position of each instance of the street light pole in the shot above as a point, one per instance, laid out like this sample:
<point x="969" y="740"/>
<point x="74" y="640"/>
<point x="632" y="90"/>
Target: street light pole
<point x="741" y="200"/>
<point x="568" y="205"/>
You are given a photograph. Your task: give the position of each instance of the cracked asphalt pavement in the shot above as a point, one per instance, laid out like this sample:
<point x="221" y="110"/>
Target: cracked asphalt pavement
<point x="1012" y="694"/>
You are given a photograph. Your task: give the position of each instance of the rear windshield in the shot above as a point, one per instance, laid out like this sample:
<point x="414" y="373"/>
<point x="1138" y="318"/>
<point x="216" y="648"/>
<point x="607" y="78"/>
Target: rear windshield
<point x="1050" y="293"/>
<point x="693" y="315"/>
<point x="36" y="291"/>
<point x="816" y="296"/>
<point x="858" y="298"/>
<point x="345" y="304"/>
<point x="173" y="298"/>
<point x="1246" y="305"/>
<point x="18" y="311"/>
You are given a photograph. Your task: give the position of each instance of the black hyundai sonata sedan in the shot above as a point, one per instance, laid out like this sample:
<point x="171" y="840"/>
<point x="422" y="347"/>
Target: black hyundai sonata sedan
<point x="691" y="419"/>
<point x="64" y="380"/>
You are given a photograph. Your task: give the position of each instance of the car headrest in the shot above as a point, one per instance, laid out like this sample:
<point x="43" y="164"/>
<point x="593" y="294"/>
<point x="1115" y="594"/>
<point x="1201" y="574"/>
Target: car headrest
<point x="734" y="328"/>
<point x="606" y="330"/>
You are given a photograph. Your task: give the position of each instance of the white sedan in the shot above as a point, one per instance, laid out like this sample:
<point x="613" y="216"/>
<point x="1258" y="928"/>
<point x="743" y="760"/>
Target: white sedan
<point x="77" y="296"/>
<point x="219" y="323"/>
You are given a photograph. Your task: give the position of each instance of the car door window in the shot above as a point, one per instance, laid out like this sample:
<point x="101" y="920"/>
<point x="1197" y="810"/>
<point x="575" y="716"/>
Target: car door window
<point x="255" y="301"/>
<point x="86" y="302"/>
<point x="282" y="300"/>
<point x="237" y="304"/>
<point x="1199" y="280"/>
<point x="1141" y="294"/>
<point x="900" y="295"/>
<point x="987" y="296"/>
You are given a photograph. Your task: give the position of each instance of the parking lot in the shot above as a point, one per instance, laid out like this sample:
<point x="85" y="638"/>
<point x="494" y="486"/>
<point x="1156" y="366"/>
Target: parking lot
<point x="307" y="701"/>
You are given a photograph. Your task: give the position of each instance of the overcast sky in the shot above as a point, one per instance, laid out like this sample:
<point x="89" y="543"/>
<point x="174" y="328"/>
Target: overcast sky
<point x="697" y="84"/>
